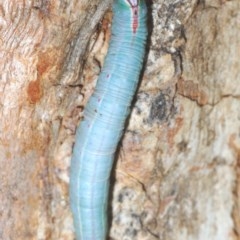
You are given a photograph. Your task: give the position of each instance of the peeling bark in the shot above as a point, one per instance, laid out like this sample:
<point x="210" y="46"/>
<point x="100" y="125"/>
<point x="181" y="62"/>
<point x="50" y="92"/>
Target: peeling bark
<point x="41" y="42"/>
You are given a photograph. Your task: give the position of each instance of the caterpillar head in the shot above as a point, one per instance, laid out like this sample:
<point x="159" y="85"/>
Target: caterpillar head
<point x="133" y="3"/>
<point x="131" y="10"/>
<point x="129" y="3"/>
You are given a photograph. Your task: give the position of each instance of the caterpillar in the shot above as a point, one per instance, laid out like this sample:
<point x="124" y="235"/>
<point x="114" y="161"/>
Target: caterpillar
<point x="104" y="117"/>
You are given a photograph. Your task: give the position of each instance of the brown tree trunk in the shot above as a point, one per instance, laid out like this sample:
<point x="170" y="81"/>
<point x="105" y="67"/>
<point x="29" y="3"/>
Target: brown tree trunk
<point x="177" y="171"/>
<point x="43" y="47"/>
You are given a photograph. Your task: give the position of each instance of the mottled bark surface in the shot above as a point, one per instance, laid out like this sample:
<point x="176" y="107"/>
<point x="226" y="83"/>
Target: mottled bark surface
<point x="43" y="47"/>
<point x="177" y="170"/>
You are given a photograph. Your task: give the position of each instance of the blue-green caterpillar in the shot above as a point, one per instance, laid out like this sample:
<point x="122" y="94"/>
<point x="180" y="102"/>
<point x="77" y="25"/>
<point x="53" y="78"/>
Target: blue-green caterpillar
<point x="104" y="118"/>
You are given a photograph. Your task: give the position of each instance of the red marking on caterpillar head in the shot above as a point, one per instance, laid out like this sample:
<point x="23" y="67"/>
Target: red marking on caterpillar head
<point x="135" y="18"/>
<point x="134" y="8"/>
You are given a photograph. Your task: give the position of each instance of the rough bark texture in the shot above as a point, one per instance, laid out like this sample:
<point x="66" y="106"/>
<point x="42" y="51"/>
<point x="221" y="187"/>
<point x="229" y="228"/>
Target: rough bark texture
<point x="177" y="170"/>
<point x="43" y="44"/>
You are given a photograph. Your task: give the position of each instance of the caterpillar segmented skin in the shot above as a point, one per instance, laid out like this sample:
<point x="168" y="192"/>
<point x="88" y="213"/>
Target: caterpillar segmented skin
<point x="104" y="118"/>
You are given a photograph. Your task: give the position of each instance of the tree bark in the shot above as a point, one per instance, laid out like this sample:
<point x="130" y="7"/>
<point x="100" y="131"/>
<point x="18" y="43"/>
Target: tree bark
<point x="43" y="47"/>
<point x="177" y="168"/>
